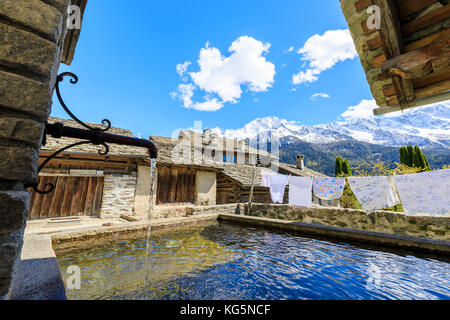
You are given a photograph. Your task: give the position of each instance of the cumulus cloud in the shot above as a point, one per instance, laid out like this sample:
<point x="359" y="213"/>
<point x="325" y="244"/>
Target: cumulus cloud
<point x="322" y="52"/>
<point x="221" y="78"/>
<point x="363" y="110"/>
<point x="315" y="96"/>
<point x="182" y="69"/>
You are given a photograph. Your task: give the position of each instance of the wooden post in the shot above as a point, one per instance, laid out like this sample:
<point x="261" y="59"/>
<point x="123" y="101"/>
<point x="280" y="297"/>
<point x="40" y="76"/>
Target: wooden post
<point x="251" y="192"/>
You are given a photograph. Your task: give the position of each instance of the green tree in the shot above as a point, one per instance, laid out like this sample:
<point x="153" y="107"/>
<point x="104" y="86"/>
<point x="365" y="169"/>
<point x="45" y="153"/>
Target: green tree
<point x="418" y="161"/>
<point x="338" y="166"/>
<point x="346" y="169"/>
<point x="403" y="155"/>
<point x="414" y="157"/>
<point x="427" y="165"/>
<point x="410" y="155"/>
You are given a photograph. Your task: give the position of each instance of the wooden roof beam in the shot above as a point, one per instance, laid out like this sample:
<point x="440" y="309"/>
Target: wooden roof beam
<point x="420" y="62"/>
<point x="419" y="102"/>
<point x="407" y="7"/>
<point x="427" y="20"/>
<point x="391" y="35"/>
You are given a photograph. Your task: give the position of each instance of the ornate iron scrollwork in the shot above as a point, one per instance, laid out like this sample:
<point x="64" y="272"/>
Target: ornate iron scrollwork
<point x="96" y="136"/>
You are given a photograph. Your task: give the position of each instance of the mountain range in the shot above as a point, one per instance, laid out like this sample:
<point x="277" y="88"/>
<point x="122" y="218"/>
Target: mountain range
<point x="360" y="139"/>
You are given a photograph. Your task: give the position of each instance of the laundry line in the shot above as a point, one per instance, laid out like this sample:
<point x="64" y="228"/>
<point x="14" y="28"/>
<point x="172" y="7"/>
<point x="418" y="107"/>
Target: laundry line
<point x="425" y="193"/>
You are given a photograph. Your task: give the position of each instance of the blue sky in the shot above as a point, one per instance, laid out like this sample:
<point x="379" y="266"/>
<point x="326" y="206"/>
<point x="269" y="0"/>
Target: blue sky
<point x="128" y="53"/>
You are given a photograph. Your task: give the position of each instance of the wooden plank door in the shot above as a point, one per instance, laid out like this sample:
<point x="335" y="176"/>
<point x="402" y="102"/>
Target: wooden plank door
<point x="175" y="185"/>
<point x="72" y="196"/>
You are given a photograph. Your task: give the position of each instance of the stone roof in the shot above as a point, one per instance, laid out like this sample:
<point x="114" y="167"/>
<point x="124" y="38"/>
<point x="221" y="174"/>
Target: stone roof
<point x="241" y="173"/>
<point x="114" y="149"/>
<point x="293" y="170"/>
<point x="233" y="145"/>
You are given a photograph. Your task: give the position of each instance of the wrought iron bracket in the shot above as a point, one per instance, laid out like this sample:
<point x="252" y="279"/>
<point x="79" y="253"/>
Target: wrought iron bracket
<point x="90" y="135"/>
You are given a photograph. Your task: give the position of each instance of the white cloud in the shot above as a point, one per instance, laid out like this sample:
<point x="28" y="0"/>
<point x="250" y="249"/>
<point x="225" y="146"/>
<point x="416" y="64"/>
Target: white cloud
<point x="182" y="69"/>
<point x="322" y="52"/>
<point x="210" y="104"/>
<point x="221" y="77"/>
<point x="288" y="50"/>
<point x="185" y="93"/>
<point x="315" y="96"/>
<point x="363" y="110"/>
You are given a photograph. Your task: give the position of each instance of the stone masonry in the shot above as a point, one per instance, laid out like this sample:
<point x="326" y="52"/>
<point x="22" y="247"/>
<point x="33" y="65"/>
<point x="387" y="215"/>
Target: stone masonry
<point x="118" y="195"/>
<point x="32" y="33"/>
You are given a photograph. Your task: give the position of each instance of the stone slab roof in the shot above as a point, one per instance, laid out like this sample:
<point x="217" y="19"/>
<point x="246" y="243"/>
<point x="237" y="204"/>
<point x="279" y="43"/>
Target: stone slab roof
<point x="241" y="173"/>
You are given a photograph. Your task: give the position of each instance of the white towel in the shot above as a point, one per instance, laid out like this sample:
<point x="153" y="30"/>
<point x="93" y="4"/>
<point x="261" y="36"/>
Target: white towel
<point x="374" y="192"/>
<point x="425" y="193"/>
<point x="265" y="177"/>
<point x="300" y="191"/>
<point x="277" y="184"/>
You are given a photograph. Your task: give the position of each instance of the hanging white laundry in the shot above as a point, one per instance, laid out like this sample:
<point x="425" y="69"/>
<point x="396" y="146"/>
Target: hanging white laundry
<point x="265" y="177"/>
<point x="277" y="184"/>
<point x="425" y="193"/>
<point x="374" y="192"/>
<point x="300" y="191"/>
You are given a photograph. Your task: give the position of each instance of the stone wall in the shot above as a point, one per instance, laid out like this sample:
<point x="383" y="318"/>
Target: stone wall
<point x="381" y="221"/>
<point x="31" y="37"/>
<point x="118" y="195"/>
<point x="178" y="211"/>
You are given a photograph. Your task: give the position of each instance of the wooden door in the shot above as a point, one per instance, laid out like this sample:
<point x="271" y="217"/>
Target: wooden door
<point x="72" y="196"/>
<point x="175" y="185"/>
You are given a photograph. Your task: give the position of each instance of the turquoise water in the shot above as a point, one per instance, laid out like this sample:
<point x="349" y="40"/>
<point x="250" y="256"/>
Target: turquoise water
<point x="227" y="261"/>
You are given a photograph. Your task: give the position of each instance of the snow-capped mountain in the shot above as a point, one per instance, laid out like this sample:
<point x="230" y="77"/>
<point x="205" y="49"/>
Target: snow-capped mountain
<point x="423" y="126"/>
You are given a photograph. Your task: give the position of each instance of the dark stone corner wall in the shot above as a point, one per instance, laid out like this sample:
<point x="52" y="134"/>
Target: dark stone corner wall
<point x="32" y="34"/>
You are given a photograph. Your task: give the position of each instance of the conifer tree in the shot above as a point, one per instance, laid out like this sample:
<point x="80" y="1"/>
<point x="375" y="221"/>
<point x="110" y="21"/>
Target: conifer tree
<point x="410" y="153"/>
<point x="414" y="157"/>
<point x="346" y="169"/>
<point x="403" y="155"/>
<point x="418" y="158"/>
<point x="338" y="166"/>
<point x="427" y="165"/>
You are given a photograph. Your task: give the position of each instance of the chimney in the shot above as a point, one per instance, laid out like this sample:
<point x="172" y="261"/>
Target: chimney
<point x="300" y="161"/>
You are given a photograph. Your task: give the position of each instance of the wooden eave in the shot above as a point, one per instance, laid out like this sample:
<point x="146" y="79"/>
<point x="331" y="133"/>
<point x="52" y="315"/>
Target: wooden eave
<point x="407" y="60"/>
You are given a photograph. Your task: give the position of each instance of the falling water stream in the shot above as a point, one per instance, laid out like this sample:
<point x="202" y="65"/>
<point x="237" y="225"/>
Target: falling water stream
<point x="149" y="218"/>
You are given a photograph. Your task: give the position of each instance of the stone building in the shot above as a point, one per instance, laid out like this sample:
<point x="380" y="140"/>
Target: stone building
<point x="34" y="40"/>
<point x="90" y="184"/>
<point x="233" y="178"/>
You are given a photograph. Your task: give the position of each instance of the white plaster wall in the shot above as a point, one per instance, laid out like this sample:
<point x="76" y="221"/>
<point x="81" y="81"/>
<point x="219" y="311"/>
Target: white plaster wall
<point x="206" y="188"/>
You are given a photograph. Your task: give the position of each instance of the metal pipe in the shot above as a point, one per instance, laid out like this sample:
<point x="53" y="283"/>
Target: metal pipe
<point x="58" y="130"/>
